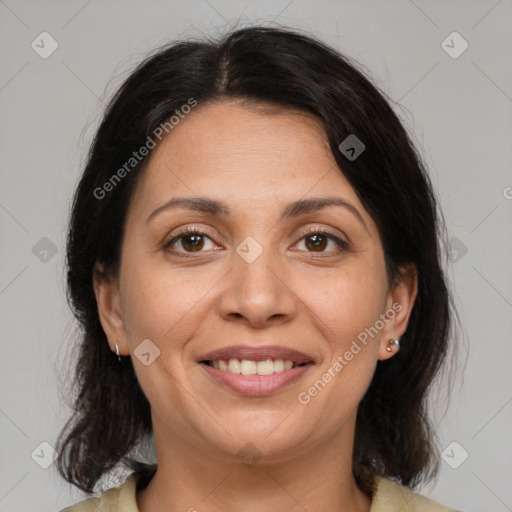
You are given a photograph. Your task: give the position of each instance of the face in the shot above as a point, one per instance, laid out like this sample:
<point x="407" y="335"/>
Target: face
<point x="246" y="250"/>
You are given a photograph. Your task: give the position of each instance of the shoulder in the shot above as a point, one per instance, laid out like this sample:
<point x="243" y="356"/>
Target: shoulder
<point x="118" y="499"/>
<point x="390" y="497"/>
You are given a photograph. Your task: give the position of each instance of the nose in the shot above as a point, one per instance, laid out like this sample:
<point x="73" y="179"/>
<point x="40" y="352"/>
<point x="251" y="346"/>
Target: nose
<point x="257" y="294"/>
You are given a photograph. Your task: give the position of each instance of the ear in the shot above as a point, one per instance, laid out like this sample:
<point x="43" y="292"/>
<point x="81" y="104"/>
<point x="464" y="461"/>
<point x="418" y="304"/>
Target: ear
<point x="398" y="308"/>
<point x="106" y="290"/>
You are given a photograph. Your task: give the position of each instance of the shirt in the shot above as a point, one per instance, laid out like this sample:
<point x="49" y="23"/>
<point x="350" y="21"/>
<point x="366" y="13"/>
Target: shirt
<point x="388" y="497"/>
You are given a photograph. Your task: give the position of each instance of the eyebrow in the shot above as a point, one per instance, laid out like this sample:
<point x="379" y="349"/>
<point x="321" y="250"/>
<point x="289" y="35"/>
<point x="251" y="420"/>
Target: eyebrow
<point x="292" y="210"/>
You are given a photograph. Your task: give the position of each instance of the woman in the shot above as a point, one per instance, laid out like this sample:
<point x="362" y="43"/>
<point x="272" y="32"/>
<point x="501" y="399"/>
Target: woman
<point x="253" y="257"/>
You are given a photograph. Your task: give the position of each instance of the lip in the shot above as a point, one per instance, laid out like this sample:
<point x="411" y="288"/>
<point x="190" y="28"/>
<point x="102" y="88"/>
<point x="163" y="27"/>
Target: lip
<point x="257" y="354"/>
<point x="257" y="385"/>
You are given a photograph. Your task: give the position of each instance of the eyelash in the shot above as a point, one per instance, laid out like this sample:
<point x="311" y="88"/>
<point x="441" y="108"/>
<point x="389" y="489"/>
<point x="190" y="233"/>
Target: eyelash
<point x="342" y="245"/>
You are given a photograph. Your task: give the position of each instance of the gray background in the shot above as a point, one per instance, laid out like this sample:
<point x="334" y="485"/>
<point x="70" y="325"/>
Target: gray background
<point x="458" y="109"/>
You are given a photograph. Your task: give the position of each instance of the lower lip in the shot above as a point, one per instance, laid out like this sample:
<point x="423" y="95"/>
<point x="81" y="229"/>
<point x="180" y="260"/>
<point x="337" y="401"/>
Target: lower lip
<point x="257" y="385"/>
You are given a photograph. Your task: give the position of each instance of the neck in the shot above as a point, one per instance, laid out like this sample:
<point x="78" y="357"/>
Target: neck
<point x="192" y="479"/>
<point x="187" y="480"/>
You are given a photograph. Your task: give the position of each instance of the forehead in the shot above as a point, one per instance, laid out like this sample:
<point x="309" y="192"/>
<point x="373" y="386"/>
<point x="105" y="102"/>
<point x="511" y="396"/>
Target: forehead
<point x="231" y="131"/>
<point x="243" y="152"/>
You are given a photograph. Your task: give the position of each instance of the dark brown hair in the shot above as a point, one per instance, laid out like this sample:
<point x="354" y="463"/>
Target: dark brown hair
<point x="280" y="67"/>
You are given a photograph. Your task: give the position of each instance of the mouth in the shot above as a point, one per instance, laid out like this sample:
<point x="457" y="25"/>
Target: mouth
<point x="256" y="371"/>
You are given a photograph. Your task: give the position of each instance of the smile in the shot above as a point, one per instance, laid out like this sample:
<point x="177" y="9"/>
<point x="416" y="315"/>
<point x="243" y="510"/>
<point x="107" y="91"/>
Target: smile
<point x="256" y="370"/>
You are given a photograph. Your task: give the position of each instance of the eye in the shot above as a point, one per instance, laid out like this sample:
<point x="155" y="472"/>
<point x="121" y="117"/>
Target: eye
<point x="190" y="240"/>
<point x="317" y="240"/>
<point x="195" y="240"/>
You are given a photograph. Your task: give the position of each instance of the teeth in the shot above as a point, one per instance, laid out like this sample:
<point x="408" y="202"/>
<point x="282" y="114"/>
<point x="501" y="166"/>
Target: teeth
<point x="279" y="365"/>
<point x="265" y="367"/>
<point x="247" y="367"/>
<point x="234" y="366"/>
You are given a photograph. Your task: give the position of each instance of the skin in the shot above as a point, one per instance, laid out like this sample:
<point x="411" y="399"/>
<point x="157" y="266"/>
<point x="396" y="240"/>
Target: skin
<point x="316" y="299"/>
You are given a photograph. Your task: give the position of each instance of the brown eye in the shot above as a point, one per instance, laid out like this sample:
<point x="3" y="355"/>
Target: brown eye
<point x="318" y="240"/>
<point x="189" y="241"/>
<point x="316" y="243"/>
<point x="192" y="242"/>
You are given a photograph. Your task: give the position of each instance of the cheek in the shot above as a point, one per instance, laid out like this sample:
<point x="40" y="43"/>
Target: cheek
<point x="163" y="305"/>
<point x="346" y="307"/>
<point x="159" y="303"/>
<point x="349" y="303"/>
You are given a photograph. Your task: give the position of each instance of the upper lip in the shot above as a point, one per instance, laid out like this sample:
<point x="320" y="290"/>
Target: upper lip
<point x="257" y="354"/>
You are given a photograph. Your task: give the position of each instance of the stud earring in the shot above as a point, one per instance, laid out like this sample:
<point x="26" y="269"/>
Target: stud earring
<point x="117" y="352"/>
<point x="391" y="344"/>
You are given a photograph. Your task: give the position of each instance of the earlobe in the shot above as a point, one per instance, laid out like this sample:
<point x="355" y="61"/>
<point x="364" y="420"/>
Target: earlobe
<point x="393" y="345"/>
<point x="106" y="290"/>
<point x="388" y="348"/>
